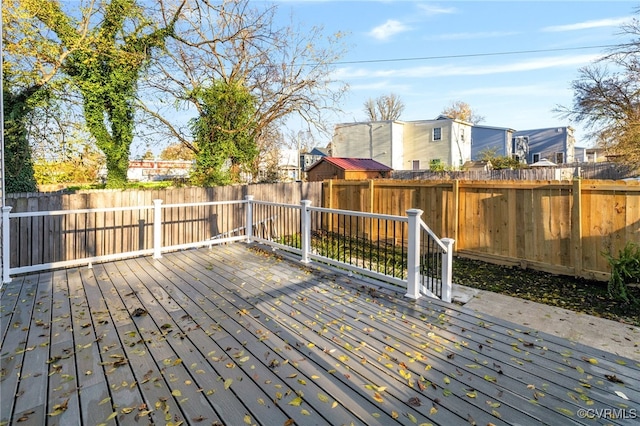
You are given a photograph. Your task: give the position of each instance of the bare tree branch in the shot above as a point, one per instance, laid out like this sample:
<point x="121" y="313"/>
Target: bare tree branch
<point x="287" y="69"/>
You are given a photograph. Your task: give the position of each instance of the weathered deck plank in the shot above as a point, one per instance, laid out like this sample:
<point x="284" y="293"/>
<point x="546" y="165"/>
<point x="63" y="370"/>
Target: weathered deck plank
<point x="31" y="403"/>
<point x="243" y="349"/>
<point x="234" y="335"/>
<point x="298" y="335"/>
<point x="92" y="382"/>
<point x="273" y="356"/>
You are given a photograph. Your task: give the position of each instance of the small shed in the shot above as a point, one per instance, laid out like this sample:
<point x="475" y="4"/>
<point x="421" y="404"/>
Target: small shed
<point x="347" y="168"/>
<point x="483" y="166"/>
<point x="543" y="163"/>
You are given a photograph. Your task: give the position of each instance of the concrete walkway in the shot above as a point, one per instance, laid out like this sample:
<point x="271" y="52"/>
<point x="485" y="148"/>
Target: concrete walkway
<point x="611" y="336"/>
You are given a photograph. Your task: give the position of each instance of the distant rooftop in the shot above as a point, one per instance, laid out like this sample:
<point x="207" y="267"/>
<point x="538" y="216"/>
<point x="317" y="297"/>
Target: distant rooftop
<point x="356" y="163"/>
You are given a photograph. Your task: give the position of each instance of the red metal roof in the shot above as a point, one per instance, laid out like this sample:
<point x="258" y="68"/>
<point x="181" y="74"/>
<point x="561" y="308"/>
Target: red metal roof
<point x="356" y="163"/>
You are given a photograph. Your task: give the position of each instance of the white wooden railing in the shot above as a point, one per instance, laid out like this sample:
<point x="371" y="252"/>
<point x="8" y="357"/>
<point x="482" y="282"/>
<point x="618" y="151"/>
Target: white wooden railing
<point x="395" y="250"/>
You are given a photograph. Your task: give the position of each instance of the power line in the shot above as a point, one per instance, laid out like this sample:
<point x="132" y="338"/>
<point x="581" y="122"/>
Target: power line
<point x="474" y="55"/>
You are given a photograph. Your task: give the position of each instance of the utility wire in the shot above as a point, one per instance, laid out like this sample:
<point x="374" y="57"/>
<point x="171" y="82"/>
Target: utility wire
<point x="474" y="55"/>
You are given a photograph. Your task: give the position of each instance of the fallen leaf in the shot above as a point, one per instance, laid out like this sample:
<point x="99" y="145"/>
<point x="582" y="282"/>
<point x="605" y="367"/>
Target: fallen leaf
<point x="138" y="312"/>
<point x="613" y="378"/>
<point x="622" y="395"/>
<point x="295" y="401"/>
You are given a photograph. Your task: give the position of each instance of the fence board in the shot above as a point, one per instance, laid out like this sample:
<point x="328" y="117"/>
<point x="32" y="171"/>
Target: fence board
<point x="539" y="224"/>
<point x="60" y="238"/>
<point x="542" y="224"/>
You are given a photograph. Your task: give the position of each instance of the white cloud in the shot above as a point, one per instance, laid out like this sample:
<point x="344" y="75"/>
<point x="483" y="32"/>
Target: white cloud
<point x="609" y="22"/>
<point x="468" y="70"/>
<point x="432" y="9"/>
<point x="388" y="29"/>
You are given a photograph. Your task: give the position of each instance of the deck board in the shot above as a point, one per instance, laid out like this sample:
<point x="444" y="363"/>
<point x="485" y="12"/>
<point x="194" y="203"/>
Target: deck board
<point x="238" y="335"/>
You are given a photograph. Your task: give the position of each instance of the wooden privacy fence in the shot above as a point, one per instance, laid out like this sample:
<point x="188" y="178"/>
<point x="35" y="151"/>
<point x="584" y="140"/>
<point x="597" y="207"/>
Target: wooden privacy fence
<point x="561" y="227"/>
<point x="606" y="170"/>
<point x="127" y="227"/>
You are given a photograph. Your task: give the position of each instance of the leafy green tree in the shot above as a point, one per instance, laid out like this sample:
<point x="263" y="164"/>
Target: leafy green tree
<point x="30" y="64"/>
<point x="499" y="162"/>
<point x="18" y="163"/>
<point x="105" y="62"/>
<point x="224" y="133"/>
<point x="177" y="151"/>
<point x="148" y="155"/>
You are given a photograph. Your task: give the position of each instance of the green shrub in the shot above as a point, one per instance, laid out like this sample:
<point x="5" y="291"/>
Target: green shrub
<point x="625" y="269"/>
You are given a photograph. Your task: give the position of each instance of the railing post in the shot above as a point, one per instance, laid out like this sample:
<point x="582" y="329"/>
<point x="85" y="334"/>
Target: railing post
<point x="413" y="254"/>
<point x="157" y="229"/>
<point x="447" y="270"/>
<point x="249" y="218"/>
<point x="305" y="230"/>
<point x="6" y="259"/>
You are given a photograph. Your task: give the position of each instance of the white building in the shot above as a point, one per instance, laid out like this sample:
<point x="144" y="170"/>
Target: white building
<point x="406" y="145"/>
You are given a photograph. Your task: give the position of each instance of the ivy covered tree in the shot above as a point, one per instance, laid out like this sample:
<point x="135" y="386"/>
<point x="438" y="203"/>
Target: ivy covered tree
<point x="224" y="133"/>
<point x="19" y="174"/>
<point x="30" y="65"/>
<point x="105" y="62"/>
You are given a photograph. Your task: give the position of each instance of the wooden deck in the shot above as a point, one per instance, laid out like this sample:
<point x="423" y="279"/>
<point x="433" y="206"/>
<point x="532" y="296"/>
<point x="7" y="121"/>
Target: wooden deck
<point x="235" y="335"/>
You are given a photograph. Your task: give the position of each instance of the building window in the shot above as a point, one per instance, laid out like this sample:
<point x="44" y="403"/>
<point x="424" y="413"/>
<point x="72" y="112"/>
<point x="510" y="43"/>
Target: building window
<point x="415" y="165"/>
<point x="437" y="133"/>
<point x="535" y="158"/>
<point x="559" y="157"/>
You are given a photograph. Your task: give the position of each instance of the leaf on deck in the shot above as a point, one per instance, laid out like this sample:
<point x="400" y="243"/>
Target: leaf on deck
<point x="59" y="408"/>
<point x="613" y="378"/>
<point x="138" y="312"/>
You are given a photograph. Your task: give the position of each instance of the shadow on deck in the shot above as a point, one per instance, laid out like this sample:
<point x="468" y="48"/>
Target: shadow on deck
<point x="235" y="335"/>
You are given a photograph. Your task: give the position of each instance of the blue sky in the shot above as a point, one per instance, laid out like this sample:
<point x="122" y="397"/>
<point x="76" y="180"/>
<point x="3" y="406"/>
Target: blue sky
<point x="466" y="54"/>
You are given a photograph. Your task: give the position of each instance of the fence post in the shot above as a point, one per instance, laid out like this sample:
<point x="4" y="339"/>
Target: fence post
<point x="249" y="218"/>
<point x="157" y="229"/>
<point x="447" y="270"/>
<point x="576" y="227"/>
<point x="305" y="230"/>
<point x="413" y="254"/>
<point x="6" y="259"/>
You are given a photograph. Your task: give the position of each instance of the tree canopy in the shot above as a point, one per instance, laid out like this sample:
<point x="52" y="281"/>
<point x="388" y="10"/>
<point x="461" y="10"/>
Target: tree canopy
<point x="385" y="107"/>
<point x="105" y="61"/>
<point x="285" y="68"/>
<point x="606" y="98"/>
<point x="462" y="111"/>
<point x="30" y="65"/>
<point x="142" y="69"/>
<point x="224" y="134"/>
